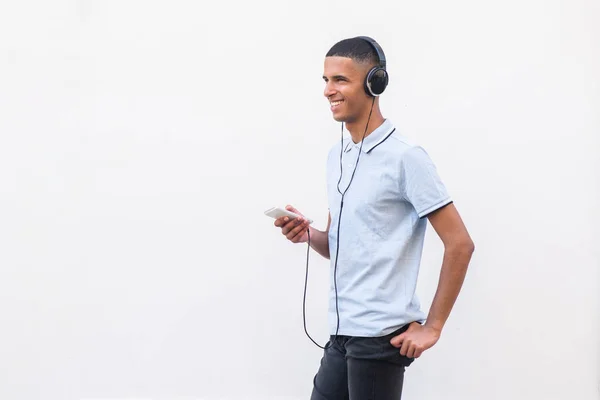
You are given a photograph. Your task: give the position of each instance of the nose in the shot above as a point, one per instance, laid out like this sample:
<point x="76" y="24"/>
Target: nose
<point x="329" y="89"/>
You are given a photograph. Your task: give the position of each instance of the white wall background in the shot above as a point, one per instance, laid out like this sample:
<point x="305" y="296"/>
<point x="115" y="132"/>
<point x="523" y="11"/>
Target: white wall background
<point x="140" y="142"/>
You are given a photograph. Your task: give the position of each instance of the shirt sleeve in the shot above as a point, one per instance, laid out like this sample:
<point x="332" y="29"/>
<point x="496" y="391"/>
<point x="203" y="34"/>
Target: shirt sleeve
<point x="421" y="184"/>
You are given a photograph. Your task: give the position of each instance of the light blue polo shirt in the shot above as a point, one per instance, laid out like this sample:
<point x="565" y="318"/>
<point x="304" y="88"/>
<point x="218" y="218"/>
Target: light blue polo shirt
<point x="382" y="230"/>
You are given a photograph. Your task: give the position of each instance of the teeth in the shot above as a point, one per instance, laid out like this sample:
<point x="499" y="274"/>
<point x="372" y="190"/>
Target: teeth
<point x="335" y="103"/>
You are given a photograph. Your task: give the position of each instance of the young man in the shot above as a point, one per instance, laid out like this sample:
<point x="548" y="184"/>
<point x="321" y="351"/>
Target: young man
<point x="382" y="190"/>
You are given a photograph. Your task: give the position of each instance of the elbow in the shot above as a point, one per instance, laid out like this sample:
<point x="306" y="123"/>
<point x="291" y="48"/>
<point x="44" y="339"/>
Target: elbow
<point x="469" y="247"/>
<point x="464" y="247"/>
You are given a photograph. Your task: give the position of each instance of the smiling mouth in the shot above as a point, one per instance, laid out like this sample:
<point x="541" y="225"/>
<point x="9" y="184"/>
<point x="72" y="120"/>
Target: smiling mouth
<point x="336" y="103"/>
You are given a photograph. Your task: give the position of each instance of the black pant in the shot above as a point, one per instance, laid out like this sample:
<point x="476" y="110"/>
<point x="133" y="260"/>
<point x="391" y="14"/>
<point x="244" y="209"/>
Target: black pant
<point x="361" y="368"/>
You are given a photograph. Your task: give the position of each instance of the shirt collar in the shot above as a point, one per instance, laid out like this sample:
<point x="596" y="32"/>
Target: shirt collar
<point x="375" y="138"/>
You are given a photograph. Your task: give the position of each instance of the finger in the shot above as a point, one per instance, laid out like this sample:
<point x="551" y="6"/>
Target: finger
<point x="397" y="340"/>
<point x="292" y="209"/>
<point x="290" y="225"/>
<point x="298" y="231"/>
<point x="299" y="235"/>
<point x="418" y="353"/>
<point x="280" y="221"/>
<point x="287" y="225"/>
<point x="411" y="351"/>
<point x="405" y="347"/>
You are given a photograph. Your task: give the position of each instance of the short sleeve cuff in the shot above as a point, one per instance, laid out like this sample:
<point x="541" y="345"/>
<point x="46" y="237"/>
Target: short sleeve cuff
<point x="434" y="207"/>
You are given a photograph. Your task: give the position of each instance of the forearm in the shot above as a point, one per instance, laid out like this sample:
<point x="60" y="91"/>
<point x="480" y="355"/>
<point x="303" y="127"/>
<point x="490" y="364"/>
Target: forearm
<point x="454" y="268"/>
<point x="319" y="241"/>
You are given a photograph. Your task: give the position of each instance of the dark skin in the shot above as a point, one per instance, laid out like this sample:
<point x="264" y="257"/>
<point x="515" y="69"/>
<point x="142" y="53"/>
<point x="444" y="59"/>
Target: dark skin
<point x="349" y="103"/>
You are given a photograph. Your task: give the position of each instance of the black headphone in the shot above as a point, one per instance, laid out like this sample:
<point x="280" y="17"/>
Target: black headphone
<point x="377" y="79"/>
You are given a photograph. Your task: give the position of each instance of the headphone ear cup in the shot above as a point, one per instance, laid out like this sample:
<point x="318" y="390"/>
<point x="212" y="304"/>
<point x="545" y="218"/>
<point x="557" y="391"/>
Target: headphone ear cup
<point x="376" y="81"/>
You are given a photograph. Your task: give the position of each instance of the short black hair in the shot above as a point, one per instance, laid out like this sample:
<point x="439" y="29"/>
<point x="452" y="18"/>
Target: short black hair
<point x="355" y="48"/>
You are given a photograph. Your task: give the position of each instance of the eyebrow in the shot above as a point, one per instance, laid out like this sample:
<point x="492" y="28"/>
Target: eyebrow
<point x="337" y="77"/>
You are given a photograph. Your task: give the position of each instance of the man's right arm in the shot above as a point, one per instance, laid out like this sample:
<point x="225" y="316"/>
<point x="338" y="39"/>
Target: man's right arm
<point x="319" y="240"/>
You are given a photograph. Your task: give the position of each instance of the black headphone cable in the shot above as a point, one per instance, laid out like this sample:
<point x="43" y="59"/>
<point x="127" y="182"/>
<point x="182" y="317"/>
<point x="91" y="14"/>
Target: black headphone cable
<point x="337" y="237"/>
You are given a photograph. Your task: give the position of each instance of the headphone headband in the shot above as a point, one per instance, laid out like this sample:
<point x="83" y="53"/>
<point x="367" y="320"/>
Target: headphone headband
<point x="377" y="49"/>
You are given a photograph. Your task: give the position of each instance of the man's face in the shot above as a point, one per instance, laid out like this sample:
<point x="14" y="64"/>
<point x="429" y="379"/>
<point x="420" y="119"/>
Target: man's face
<point x="344" y="88"/>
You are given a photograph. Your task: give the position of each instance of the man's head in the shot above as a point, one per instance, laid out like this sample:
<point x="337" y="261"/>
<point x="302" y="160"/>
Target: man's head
<point x="347" y="65"/>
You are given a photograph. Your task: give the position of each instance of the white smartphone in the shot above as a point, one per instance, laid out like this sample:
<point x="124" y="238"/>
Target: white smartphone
<point x="277" y="212"/>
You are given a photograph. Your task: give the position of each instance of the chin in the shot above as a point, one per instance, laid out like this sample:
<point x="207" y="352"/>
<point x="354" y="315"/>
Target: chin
<point x="339" y="118"/>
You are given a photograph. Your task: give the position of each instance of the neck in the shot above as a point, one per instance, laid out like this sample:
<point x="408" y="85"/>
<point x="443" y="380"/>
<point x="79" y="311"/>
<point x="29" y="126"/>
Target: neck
<point x="357" y="127"/>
